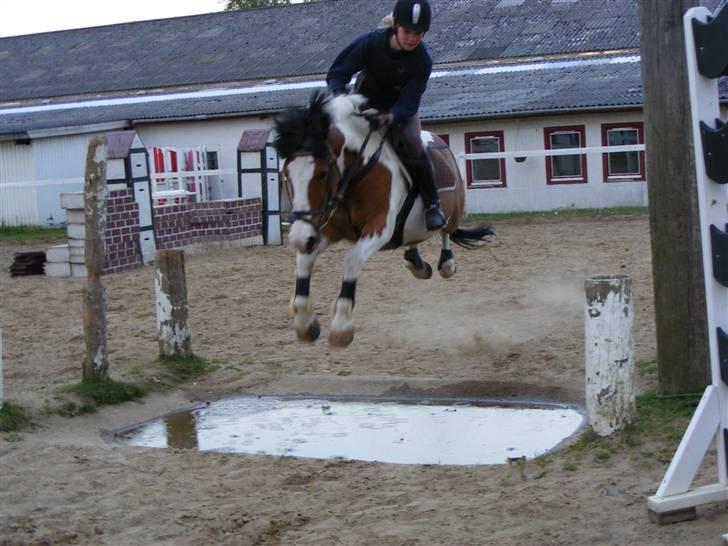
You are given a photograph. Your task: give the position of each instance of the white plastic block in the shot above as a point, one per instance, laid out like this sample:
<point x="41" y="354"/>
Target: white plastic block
<point x="58" y="269"/>
<point x="77" y="252"/>
<point x="76" y="231"/>
<point x="75" y="216"/>
<point x="78" y="270"/>
<point x="77" y="243"/>
<point x="72" y="200"/>
<point x="58" y="253"/>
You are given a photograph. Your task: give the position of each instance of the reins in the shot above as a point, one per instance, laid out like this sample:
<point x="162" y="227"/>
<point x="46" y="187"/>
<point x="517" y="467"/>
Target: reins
<point x="354" y="174"/>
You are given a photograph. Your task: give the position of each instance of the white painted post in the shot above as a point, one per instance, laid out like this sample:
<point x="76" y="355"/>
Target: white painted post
<point x="609" y="352"/>
<point x="171" y="291"/>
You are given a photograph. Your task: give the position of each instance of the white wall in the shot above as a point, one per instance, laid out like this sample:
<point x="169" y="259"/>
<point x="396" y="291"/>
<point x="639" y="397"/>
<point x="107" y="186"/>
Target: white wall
<point x="52" y="164"/>
<point x="526" y="182"/>
<point x="17" y="202"/>
<point x="59" y="163"/>
<point x="222" y="134"/>
<point x="33" y="176"/>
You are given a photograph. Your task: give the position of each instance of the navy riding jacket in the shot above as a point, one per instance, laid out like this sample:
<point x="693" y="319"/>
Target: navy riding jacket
<point x="392" y="80"/>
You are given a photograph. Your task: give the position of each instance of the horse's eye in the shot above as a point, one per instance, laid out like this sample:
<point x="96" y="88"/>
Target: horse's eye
<point x="322" y="175"/>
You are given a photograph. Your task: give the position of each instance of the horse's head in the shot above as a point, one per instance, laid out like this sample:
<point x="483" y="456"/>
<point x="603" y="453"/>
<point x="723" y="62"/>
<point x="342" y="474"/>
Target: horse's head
<point x="303" y="141"/>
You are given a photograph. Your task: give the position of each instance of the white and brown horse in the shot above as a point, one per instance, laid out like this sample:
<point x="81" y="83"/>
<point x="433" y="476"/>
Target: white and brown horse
<point x="348" y="184"/>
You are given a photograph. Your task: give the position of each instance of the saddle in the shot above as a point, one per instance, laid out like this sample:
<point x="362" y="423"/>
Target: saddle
<point x="438" y="153"/>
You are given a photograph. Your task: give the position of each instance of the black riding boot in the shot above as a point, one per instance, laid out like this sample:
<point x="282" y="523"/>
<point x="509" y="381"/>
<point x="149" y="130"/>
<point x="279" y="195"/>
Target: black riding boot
<point x="424" y="178"/>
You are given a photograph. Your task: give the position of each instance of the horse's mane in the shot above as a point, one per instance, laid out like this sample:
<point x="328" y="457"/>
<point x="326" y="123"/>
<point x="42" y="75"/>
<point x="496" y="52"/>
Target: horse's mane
<point x="300" y="129"/>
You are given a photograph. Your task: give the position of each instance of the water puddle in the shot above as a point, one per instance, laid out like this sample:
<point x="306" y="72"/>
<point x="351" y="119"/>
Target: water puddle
<point x="391" y="432"/>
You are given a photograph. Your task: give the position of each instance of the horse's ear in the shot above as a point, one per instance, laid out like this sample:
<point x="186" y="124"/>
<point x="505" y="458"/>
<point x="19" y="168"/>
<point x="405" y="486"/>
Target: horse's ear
<point x="286" y="132"/>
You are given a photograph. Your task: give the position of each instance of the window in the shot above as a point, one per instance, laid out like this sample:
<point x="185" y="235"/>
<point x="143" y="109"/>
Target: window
<point x="623" y="166"/>
<point x="485" y="173"/>
<point x="565" y="169"/>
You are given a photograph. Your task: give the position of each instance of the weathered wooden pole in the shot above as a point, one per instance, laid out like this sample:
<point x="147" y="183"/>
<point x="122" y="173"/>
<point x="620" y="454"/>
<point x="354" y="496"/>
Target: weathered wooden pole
<point x="677" y="271"/>
<point x="171" y="292"/>
<point x="96" y="364"/>
<point x="609" y="352"/>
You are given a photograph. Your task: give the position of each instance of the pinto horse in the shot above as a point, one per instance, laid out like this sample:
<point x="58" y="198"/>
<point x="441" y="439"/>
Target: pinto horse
<point x="349" y="184"/>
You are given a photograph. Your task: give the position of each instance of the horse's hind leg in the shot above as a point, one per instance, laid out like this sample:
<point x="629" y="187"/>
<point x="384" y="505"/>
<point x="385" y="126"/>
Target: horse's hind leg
<point x="304" y="319"/>
<point x="417" y="266"/>
<point x="446" y="266"/>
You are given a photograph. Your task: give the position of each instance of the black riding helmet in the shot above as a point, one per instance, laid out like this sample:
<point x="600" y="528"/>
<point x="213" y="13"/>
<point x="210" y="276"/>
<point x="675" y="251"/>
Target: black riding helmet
<point x="413" y="15"/>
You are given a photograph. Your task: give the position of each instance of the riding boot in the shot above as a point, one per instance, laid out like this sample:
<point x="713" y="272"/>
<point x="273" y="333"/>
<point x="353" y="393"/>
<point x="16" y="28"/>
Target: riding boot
<point x="424" y="176"/>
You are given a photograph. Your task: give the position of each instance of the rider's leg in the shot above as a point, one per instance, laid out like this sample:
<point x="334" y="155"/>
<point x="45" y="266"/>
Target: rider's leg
<point x="423" y="174"/>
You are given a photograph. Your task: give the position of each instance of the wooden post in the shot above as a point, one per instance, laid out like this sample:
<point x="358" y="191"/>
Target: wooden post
<point x="171" y="291"/>
<point x="96" y="364"/>
<point x="609" y="352"/>
<point x="680" y="318"/>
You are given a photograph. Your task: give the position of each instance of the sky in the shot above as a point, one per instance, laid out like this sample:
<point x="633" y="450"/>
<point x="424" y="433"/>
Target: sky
<point x="32" y="16"/>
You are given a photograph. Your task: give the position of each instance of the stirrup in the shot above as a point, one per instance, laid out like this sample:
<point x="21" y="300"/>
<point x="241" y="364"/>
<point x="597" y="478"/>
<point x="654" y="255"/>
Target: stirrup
<point x="434" y="217"/>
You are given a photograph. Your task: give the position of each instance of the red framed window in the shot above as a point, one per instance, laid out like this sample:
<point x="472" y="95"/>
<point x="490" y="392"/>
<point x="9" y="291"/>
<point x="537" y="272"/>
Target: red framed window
<point x="623" y="166"/>
<point x="485" y="173"/>
<point x="565" y="169"/>
<point x="445" y="138"/>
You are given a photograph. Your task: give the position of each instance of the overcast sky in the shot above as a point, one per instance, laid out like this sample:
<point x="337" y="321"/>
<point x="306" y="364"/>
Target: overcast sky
<point x="32" y="16"/>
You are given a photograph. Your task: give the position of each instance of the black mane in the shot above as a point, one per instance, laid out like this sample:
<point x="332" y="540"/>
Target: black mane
<point x="303" y="129"/>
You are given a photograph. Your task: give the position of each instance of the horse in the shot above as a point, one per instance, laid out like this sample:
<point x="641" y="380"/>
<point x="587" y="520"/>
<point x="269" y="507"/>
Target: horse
<point x="349" y="184"/>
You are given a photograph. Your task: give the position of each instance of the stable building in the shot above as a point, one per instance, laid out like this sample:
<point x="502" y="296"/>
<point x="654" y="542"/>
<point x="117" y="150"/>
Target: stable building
<point x="512" y="77"/>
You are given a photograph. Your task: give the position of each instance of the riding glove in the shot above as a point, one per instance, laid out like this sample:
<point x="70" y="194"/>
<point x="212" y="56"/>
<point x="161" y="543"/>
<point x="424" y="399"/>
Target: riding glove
<point x="380" y="121"/>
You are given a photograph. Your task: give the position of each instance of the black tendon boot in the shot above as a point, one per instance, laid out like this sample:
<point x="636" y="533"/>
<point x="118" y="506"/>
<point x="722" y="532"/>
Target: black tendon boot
<point x="424" y="177"/>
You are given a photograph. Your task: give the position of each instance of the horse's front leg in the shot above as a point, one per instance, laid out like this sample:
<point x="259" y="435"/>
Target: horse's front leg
<point x="342" y="323"/>
<point x="304" y="319"/>
<point x="446" y="265"/>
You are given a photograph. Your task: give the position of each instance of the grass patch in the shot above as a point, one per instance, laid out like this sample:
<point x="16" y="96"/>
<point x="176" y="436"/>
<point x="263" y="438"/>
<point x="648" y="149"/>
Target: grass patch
<point x="102" y="393"/>
<point x="12" y="417"/>
<point x="659" y="425"/>
<point x="30" y="233"/>
<point x="563" y="213"/>
<point x="185" y="368"/>
<point x="647" y="369"/>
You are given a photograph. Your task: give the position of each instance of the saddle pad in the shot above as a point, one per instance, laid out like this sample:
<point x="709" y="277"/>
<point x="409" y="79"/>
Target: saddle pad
<point x="443" y="164"/>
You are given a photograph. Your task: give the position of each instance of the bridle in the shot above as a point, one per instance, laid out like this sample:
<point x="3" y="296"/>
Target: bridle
<point x="319" y="218"/>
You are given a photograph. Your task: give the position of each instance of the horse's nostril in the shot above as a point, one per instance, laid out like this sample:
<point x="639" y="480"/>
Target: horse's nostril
<point x="311" y="243"/>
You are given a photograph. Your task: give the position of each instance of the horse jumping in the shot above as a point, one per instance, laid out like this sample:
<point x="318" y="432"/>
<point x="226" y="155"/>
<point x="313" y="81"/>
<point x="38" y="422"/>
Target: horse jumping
<point x="349" y="184"/>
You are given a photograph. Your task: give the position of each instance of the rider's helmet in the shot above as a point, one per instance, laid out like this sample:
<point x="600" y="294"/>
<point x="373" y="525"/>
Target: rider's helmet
<point x="413" y="14"/>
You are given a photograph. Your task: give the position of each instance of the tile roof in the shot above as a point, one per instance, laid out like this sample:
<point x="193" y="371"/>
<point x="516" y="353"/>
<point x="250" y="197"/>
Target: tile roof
<point x="459" y="90"/>
<point x="605" y="82"/>
<point x="295" y="40"/>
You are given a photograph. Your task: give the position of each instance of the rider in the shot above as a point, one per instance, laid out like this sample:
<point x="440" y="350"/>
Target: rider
<point x="394" y="67"/>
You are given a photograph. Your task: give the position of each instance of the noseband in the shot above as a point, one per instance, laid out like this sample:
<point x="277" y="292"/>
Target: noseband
<point x="319" y="218"/>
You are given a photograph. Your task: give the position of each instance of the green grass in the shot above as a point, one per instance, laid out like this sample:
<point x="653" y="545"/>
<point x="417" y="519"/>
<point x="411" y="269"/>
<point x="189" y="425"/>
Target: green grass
<point x="658" y="428"/>
<point x="30" y="233"/>
<point x="185" y="368"/>
<point x="12" y="417"/>
<point x="561" y="213"/>
<point x="102" y="393"/>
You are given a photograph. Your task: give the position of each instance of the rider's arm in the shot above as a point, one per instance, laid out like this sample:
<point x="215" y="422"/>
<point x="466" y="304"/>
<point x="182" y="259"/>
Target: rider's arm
<point x="347" y="63"/>
<point x="410" y="95"/>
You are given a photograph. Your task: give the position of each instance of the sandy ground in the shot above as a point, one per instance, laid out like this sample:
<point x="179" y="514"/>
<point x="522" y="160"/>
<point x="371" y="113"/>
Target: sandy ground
<point x="508" y="324"/>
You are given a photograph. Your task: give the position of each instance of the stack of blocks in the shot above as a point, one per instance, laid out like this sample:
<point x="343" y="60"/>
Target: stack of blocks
<point x="68" y="260"/>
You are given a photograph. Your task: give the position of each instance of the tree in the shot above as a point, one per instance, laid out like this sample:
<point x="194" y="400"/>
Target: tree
<point x="683" y="361"/>
<point x="232" y="5"/>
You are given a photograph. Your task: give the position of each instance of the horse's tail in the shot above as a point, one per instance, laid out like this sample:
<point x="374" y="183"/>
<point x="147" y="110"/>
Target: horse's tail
<point x="471" y="238"/>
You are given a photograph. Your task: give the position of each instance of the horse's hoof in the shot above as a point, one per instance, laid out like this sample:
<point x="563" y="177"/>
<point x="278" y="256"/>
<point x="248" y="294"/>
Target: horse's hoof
<point x="447" y="270"/>
<point x="310" y="334"/>
<point x="423" y="273"/>
<point x="341" y="339"/>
